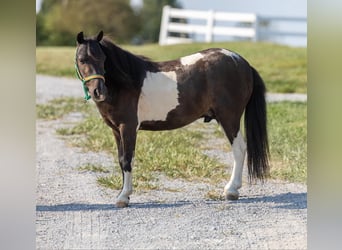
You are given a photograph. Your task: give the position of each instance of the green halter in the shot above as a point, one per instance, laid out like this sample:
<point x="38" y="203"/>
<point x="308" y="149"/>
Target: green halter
<point x="86" y="79"/>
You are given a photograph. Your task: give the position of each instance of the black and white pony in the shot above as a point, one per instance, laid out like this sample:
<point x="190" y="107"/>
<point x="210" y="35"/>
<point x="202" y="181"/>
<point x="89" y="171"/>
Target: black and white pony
<point x="134" y="93"/>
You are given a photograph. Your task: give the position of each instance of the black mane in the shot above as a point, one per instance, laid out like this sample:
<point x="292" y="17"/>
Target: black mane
<point x="122" y="67"/>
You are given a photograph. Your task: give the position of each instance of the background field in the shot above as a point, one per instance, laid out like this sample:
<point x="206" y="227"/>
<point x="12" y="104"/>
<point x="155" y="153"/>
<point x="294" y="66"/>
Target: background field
<point x="282" y="68"/>
<point x="179" y="153"/>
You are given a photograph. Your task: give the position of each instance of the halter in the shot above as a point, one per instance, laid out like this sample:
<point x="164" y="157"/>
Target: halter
<point x="86" y="79"/>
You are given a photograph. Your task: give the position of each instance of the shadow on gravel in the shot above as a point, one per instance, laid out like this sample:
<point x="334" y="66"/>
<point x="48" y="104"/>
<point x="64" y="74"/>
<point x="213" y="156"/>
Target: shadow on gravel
<point x="74" y="207"/>
<point x="101" y="207"/>
<point x="282" y="201"/>
<point x="160" y="205"/>
<point x="285" y="200"/>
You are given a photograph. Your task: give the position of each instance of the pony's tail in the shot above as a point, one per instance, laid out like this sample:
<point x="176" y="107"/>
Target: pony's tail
<point x="256" y="130"/>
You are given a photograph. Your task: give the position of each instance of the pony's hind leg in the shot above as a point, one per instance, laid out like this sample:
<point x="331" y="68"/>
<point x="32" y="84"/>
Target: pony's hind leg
<point x="230" y="122"/>
<point x="239" y="151"/>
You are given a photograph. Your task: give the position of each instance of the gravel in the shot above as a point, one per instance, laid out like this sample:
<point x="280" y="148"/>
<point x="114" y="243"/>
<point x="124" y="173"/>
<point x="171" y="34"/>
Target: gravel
<point x="73" y="212"/>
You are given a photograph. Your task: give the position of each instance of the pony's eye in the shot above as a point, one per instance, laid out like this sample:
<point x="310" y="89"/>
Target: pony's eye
<point x="82" y="60"/>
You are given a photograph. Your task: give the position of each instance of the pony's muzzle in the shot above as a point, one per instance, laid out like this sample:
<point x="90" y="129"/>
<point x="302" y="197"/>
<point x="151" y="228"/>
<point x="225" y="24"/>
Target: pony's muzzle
<point x="99" y="93"/>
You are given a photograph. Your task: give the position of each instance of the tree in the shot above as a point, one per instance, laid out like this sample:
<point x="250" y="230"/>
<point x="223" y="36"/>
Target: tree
<point x="41" y="34"/>
<point x="59" y="21"/>
<point x="62" y="20"/>
<point x="151" y="13"/>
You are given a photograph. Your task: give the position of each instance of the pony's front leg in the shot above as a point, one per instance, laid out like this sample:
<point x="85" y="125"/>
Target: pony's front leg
<point x="127" y="144"/>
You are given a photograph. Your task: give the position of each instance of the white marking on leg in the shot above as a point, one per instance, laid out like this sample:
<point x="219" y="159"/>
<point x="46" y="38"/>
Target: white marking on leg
<point x="191" y="59"/>
<point x="239" y="152"/>
<point x="127" y="188"/>
<point x="235" y="57"/>
<point x="159" y="95"/>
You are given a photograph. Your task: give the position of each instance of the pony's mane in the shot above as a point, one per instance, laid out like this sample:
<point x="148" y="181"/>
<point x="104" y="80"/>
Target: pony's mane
<point x="123" y="66"/>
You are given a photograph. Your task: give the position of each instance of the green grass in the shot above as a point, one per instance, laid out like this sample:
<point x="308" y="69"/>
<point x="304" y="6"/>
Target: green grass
<point x="178" y="153"/>
<point x="282" y="68"/>
<point x="56" y="61"/>
<point x="170" y="152"/>
<point x="287" y="126"/>
<point x="94" y="168"/>
<point x="58" y="107"/>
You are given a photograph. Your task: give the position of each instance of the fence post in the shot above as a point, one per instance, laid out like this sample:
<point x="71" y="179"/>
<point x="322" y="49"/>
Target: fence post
<point x="256" y="37"/>
<point x="210" y="26"/>
<point x="163" y="33"/>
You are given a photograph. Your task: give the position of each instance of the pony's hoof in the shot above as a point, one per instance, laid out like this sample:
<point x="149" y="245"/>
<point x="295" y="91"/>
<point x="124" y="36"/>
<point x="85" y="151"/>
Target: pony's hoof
<point x="121" y="204"/>
<point x="232" y="196"/>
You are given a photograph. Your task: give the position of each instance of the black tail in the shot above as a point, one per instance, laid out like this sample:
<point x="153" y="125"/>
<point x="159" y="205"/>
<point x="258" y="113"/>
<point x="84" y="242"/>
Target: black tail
<point x="256" y="130"/>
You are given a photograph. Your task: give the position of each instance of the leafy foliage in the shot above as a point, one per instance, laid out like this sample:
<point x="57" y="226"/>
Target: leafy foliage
<point x="151" y="13"/>
<point x="62" y="20"/>
<point x="58" y="22"/>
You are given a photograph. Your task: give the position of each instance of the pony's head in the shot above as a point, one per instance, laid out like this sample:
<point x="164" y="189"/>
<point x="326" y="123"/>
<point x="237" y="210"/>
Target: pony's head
<point x="89" y="64"/>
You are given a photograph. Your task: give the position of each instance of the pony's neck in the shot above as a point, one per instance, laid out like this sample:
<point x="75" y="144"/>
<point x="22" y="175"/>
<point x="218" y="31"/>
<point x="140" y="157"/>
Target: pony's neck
<point x="123" y="66"/>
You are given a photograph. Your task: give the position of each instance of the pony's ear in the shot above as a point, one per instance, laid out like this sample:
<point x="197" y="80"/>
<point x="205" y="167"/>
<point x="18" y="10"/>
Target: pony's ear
<point x="100" y="36"/>
<point x="80" y="37"/>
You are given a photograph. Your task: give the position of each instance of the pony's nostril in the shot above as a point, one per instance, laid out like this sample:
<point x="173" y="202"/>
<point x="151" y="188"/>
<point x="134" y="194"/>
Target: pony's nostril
<point x="96" y="93"/>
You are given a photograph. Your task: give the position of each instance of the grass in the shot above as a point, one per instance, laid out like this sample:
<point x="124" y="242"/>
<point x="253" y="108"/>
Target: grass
<point x="287" y="126"/>
<point x="170" y="152"/>
<point x="214" y="195"/>
<point x="56" y="61"/>
<point x="178" y="153"/>
<point x="282" y="68"/>
<point x="94" y="168"/>
<point x="56" y="108"/>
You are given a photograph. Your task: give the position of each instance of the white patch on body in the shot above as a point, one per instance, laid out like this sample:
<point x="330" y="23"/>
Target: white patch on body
<point x="231" y="54"/>
<point x="159" y="95"/>
<point x="227" y="52"/>
<point x="191" y="59"/>
<point x="239" y="152"/>
<point x="127" y="187"/>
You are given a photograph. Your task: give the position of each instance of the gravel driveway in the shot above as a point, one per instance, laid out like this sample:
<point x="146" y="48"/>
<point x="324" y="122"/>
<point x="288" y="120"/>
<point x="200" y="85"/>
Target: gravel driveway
<point x="73" y="212"/>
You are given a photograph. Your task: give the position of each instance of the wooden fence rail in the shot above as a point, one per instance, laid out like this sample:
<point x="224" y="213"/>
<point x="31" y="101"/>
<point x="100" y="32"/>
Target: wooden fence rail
<point x="239" y="25"/>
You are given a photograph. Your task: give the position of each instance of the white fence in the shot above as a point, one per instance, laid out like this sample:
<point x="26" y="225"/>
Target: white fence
<point x="248" y="26"/>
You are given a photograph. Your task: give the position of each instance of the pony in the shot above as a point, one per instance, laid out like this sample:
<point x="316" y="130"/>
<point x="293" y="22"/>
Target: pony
<point x="135" y="93"/>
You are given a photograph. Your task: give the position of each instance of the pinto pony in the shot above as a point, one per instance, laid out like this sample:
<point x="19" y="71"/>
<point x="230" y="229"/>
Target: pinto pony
<point x="134" y="93"/>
